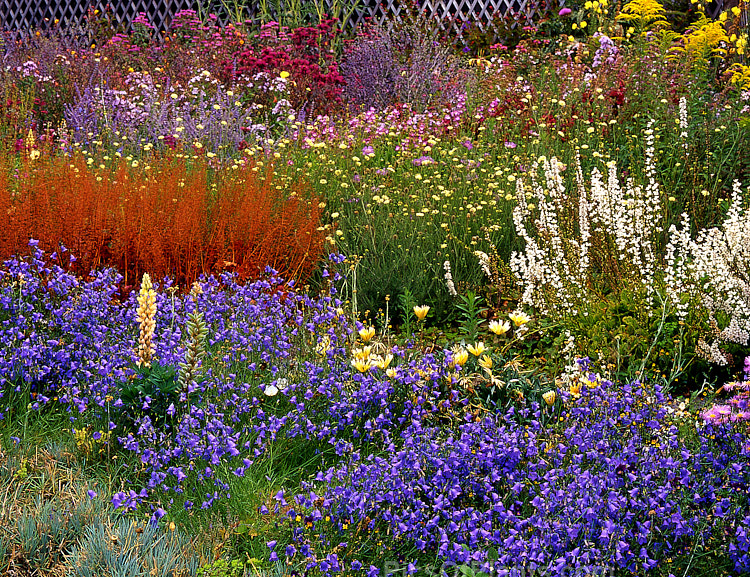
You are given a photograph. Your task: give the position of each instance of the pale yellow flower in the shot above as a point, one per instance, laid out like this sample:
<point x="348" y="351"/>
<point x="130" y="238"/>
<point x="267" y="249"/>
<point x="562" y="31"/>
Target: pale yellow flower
<point x="363" y="353"/>
<point x="421" y="311"/>
<point x="476" y="349"/>
<point x="499" y="328"/>
<point x="361" y="365"/>
<point x="366" y="334"/>
<point x="460" y="357"/>
<point x="549" y="398"/>
<point x="519" y="318"/>
<point x="382" y="362"/>
<point x="485" y="362"/>
<point x="575" y="389"/>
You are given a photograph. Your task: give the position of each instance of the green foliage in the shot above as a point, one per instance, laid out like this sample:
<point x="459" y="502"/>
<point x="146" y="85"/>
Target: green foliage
<point x="471" y="315"/>
<point x="407" y="302"/>
<point x="410" y="216"/>
<point x="469" y="571"/>
<point x="223" y="568"/>
<point x="629" y="341"/>
<point x="289" y="13"/>
<point x="4" y="555"/>
<point x="148" y="393"/>
<point x="102" y="25"/>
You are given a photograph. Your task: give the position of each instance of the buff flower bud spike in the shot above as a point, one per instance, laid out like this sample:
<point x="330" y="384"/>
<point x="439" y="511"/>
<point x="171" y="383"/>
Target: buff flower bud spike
<point x="195" y="351"/>
<point x="30" y="141"/>
<point x="146" y="317"/>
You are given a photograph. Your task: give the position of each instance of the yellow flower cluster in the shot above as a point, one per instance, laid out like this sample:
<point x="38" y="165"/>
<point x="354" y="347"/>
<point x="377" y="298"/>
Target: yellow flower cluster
<point x="707" y="39"/>
<point x="364" y="359"/>
<point x="146" y="317"/>
<point x="741" y="76"/>
<point x="644" y="15"/>
<point x="86" y="442"/>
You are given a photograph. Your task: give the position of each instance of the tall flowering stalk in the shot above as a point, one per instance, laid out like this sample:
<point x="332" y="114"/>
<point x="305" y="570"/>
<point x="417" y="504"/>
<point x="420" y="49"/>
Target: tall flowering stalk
<point x="683" y="122"/>
<point x="146" y="317"/>
<point x="714" y="266"/>
<point x="623" y="223"/>
<point x="449" y="279"/>
<point x="546" y="269"/>
<point x="196" y="350"/>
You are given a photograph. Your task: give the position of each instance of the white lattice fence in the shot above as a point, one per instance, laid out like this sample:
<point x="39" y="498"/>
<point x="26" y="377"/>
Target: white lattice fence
<point x="24" y="16"/>
<point x="456" y="13"/>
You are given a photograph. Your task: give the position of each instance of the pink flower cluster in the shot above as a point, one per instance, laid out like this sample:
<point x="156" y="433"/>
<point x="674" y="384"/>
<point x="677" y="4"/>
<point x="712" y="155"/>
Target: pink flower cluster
<point x="735" y="409"/>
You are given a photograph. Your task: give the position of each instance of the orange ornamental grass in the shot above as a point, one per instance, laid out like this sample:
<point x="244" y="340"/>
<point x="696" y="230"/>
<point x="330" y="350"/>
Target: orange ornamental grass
<point x="169" y="217"/>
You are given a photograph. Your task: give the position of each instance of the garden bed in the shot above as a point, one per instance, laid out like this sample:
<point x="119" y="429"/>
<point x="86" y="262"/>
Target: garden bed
<point x="283" y="302"/>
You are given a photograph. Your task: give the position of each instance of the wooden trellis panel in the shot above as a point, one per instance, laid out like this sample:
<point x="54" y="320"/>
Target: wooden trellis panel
<point x="24" y="16"/>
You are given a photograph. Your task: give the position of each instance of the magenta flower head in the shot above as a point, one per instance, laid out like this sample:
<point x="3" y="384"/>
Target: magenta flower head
<point x="564" y="11"/>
